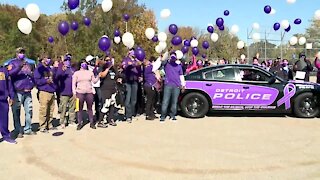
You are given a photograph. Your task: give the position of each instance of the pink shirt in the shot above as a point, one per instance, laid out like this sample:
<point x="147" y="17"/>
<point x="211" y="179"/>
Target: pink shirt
<point x="82" y="82"/>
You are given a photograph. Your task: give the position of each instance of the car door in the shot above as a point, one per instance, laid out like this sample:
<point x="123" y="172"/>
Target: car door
<point x="222" y="87"/>
<point x="259" y="93"/>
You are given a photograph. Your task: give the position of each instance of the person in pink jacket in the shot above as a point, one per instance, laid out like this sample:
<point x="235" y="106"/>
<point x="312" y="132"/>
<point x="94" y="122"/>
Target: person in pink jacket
<point x="83" y="90"/>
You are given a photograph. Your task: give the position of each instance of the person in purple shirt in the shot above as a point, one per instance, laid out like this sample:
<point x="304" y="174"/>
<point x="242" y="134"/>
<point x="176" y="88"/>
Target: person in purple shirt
<point x="6" y="91"/>
<point x="67" y="100"/>
<point x="174" y="81"/>
<point x="45" y="79"/>
<point x="23" y="82"/>
<point x="150" y="85"/>
<point x="132" y="70"/>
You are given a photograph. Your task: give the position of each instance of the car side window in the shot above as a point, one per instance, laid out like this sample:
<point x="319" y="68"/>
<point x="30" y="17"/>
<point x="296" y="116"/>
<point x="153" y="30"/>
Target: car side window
<point x="226" y="74"/>
<point x="253" y="75"/>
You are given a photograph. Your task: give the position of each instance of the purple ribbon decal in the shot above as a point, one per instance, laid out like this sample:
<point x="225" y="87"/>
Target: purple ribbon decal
<point x="289" y="91"/>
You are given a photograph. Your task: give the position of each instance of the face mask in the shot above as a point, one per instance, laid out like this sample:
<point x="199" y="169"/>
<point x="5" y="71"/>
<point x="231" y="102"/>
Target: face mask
<point x="47" y="62"/>
<point x="284" y="64"/>
<point x="21" y="56"/>
<point x="173" y="58"/>
<point x="84" y="66"/>
<point x="67" y="64"/>
<point x="108" y="63"/>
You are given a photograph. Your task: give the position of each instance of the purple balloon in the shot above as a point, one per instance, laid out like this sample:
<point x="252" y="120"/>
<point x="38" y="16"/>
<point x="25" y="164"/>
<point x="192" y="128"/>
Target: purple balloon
<point x="221" y="28"/>
<point x="176" y="40"/>
<point x="195" y="51"/>
<point x="219" y="22"/>
<point x="226" y="13"/>
<point x="73" y="4"/>
<point x="173" y="29"/>
<point x="210" y="29"/>
<point x="140" y="54"/>
<point x="155" y="39"/>
<point x="86" y="21"/>
<point x="297" y="21"/>
<point x="126" y="17"/>
<point x="185" y="49"/>
<point x="74" y="25"/>
<point x="205" y="44"/>
<point x="50" y="39"/>
<point x="187" y="43"/>
<point x="117" y="33"/>
<point x="276" y="26"/>
<point x="204" y="55"/>
<point x="104" y="43"/>
<point x="63" y="28"/>
<point x="267" y="9"/>
<point x="288" y="29"/>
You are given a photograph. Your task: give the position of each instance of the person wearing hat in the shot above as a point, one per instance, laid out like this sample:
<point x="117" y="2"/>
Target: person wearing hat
<point x="133" y="74"/>
<point x="46" y="81"/>
<point x="174" y="82"/>
<point x="21" y="74"/>
<point x="6" y="92"/>
<point x="303" y="65"/>
<point x="93" y="65"/>
<point x="64" y="78"/>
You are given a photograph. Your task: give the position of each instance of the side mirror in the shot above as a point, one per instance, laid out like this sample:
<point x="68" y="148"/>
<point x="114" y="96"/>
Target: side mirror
<point x="272" y="80"/>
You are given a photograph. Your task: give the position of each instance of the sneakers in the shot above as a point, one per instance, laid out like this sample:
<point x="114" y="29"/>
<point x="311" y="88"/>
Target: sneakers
<point x="9" y="141"/>
<point x="102" y="125"/>
<point x="92" y="126"/>
<point x="162" y="120"/>
<point x="173" y="119"/>
<point x="150" y="118"/>
<point x="112" y="123"/>
<point x="20" y="135"/>
<point x="129" y="120"/>
<point x="45" y="131"/>
<point x="30" y="133"/>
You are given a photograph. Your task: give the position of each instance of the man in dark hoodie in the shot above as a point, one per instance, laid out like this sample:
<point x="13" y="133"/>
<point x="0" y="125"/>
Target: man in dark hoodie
<point x="6" y="91"/>
<point x="45" y="79"/>
<point x="23" y="82"/>
<point x="303" y="65"/>
<point x="64" y="77"/>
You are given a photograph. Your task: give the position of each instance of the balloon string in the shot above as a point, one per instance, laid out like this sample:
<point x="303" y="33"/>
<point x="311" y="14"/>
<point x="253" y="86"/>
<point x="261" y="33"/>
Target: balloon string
<point x="126" y="26"/>
<point x="65" y="41"/>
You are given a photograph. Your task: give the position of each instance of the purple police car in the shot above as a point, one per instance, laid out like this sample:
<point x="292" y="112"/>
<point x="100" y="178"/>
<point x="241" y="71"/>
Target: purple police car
<point x="247" y="88"/>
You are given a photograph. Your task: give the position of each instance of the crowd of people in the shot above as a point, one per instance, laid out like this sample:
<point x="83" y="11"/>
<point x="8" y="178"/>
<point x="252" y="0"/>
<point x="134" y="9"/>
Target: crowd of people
<point x="100" y="82"/>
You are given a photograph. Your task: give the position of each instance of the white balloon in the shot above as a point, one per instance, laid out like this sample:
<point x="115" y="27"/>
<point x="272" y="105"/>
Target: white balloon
<point x="293" y="40"/>
<point x="317" y="15"/>
<point x="256" y="26"/>
<point x="158" y="49"/>
<point x="214" y="37"/>
<point x="127" y="39"/>
<point x="117" y="40"/>
<point x="165" y="13"/>
<point x="33" y="12"/>
<point x="243" y="57"/>
<point x="194" y="43"/>
<point x="318" y="54"/>
<point x="130" y="44"/>
<point x="240" y="45"/>
<point x="162" y="37"/>
<point x="106" y="5"/>
<point x="291" y="1"/>
<point x="150" y="33"/>
<point x="234" y="29"/>
<point x="256" y="37"/>
<point x="179" y="54"/>
<point x="163" y="45"/>
<point x="273" y="11"/>
<point x="302" y="41"/>
<point x="25" y="25"/>
<point x="285" y="24"/>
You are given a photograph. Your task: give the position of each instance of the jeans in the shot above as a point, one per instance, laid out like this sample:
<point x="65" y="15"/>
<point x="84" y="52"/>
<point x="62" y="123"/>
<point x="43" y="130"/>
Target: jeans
<point x="131" y="99"/>
<point x="24" y="99"/>
<point x="97" y="102"/>
<point x="170" y="95"/>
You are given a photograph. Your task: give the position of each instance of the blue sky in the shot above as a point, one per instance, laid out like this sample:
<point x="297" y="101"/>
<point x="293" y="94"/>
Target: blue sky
<point x="199" y="13"/>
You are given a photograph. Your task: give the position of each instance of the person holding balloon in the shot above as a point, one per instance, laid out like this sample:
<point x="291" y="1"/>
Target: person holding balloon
<point x="133" y="74"/>
<point x="317" y="65"/>
<point x="82" y="89"/>
<point x="46" y="82"/>
<point x="151" y="84"/>
<point x="23" y="82"/>
<point x="174" y="82"/>
<point x="303" y="66"/>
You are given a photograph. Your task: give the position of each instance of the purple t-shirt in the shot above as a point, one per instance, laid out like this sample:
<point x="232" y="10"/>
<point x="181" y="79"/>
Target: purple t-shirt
<point x="173" y="72"/>
<point x="149" y="76"/>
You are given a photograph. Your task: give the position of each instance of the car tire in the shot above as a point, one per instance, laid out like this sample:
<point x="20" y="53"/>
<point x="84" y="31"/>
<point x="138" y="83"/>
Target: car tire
<point x="194" y="105"/>
<point x="306" y="106"/>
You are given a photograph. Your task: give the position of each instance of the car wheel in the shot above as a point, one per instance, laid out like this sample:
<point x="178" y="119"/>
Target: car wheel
<point x="306" y="106"/>
<point x="194" y="105"/>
